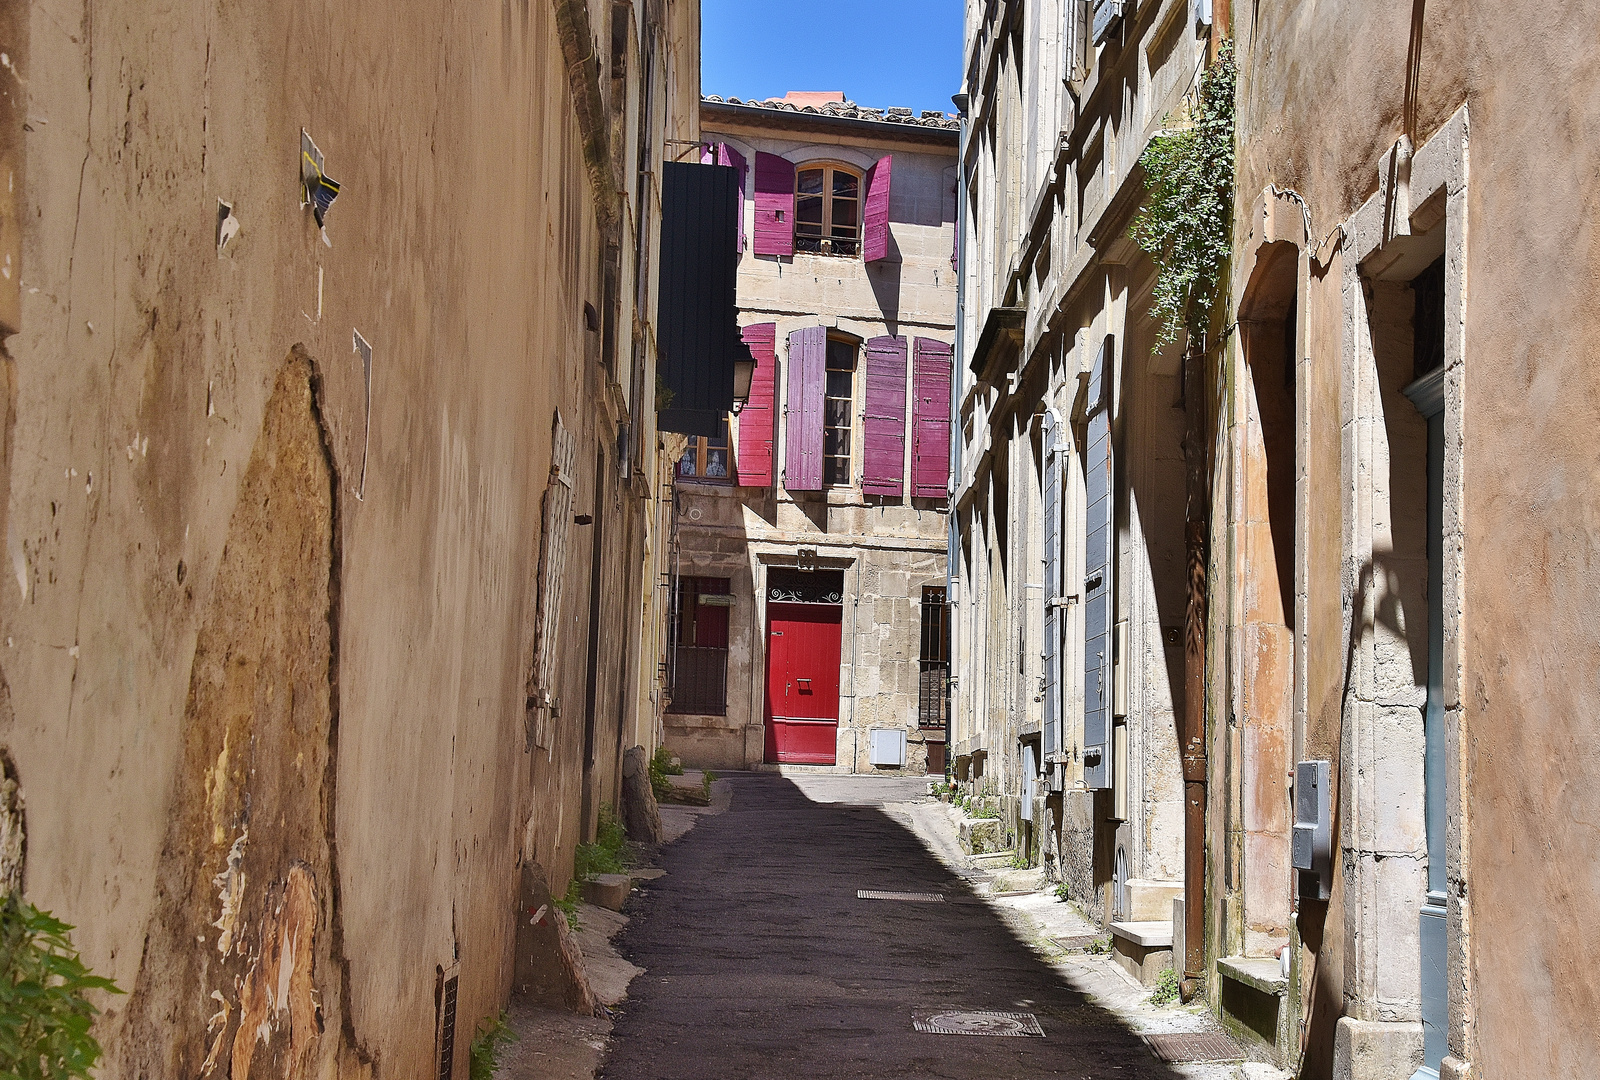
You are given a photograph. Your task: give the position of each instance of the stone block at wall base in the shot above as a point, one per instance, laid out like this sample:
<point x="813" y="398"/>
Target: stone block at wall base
<point x="641" y="816"/>
<point x="1376" y="1050"/>
<point x="1455" y="1069"/>
<point x="608" y="890"/>
<point x="1142" y="949"/>
<point x="979" y="835"/>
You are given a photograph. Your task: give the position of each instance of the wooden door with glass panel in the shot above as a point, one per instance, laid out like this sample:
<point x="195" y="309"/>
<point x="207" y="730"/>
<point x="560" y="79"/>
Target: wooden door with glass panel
<point x="827" y="210"/>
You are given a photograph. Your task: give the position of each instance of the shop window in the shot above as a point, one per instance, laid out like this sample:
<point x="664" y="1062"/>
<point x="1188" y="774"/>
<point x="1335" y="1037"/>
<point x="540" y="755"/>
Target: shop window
<point x="700" y="647"/>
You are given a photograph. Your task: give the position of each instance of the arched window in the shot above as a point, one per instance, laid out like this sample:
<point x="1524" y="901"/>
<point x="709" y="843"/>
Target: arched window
<point x="827" y="210"/>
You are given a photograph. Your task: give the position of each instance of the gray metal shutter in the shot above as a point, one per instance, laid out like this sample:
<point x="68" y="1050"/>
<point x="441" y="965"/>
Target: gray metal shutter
<point x="1097" y="614"/>
<point x="1053" y="439"/>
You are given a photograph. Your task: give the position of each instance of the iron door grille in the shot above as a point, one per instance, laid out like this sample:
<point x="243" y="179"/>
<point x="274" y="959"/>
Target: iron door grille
<point x="700" y="647"/>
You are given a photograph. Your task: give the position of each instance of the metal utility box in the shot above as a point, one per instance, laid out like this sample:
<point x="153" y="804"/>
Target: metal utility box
<point x="888" y="747"/>
<point x="1313" y="831"/>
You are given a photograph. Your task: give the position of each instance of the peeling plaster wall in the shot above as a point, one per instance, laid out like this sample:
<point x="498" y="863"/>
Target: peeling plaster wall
<point x="1323" y="95"/>
<point x="227" y="655"/>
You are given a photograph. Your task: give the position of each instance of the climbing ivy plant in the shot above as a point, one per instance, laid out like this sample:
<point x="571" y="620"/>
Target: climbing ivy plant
<point x="45" y="1011"/>
<point x="1186" y="222"/>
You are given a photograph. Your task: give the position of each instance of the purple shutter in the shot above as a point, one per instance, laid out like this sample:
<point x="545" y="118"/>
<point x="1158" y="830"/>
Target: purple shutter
<point x="875" y="217"/>
<point x="802" y="453"/>
<point x="884" y="456"/>
<point x="755" y="419"/>
<point x="774" y="205"/>
<point x="930" y="419"/>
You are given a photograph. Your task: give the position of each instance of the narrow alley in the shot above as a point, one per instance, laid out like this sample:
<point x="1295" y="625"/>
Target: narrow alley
<point x="762" y="960"/>
<point x="860" y="539"/>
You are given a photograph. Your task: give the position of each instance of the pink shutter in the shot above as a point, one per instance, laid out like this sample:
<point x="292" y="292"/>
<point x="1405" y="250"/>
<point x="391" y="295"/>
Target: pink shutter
<point x="875" y="217"/>
<point x="802" y="452"/>
<point x="930" y="419"/>
<point x="774" y="205"/>
<point x="884" y="453"/>
<point x="755" y="419"/>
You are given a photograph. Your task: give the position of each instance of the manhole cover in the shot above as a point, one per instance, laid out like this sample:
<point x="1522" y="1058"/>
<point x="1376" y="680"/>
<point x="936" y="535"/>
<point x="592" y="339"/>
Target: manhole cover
<point x="976" y="1023"/>
<point x="1190" y="1047"/>
<point x="914" y="897"/>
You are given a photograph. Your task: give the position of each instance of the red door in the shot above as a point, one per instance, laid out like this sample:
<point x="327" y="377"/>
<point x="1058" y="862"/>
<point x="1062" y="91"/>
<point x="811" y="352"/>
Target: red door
<point x="802" y="682"/>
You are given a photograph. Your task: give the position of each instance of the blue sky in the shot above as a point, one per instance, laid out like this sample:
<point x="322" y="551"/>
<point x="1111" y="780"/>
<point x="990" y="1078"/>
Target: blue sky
<point x="879" y="52"/>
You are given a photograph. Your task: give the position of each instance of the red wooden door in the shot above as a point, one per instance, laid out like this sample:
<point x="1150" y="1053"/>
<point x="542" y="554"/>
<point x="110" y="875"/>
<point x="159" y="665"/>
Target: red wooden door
<point x="802" y="682"/>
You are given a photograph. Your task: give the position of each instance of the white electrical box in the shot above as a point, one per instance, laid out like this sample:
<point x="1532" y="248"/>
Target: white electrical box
<point x="1312" y="853"/>
<point x="888" y="747"/>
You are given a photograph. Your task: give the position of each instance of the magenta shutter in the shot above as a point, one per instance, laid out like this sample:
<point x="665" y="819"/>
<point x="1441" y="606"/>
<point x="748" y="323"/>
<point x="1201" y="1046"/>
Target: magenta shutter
<point x="884" y="455"/>
<point x="930" y="419"/>
<point x="727" y="155"/>
<point x="774" y="205"/>
<point x="875" y="216"/>
<point x="802" y="452"/>
<point x="755" y="419"/>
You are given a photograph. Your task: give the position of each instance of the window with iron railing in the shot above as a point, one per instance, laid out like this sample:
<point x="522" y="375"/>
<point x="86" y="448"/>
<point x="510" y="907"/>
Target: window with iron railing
<point x="700" y="647"/>
<point x="933" y="686"/>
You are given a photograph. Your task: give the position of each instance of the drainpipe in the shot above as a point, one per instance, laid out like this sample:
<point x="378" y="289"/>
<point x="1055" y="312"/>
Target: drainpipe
<point x="952" y="524"/>
<point x="1196" y="526"/>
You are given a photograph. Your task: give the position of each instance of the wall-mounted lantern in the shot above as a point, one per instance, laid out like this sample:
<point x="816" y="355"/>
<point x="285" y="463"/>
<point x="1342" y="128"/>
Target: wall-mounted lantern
<point x="744" y="372"/>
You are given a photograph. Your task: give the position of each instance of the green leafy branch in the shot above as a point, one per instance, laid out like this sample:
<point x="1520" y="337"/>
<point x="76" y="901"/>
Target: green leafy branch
<point x="45" y="1013"/>
<point x="1186" y="222"/>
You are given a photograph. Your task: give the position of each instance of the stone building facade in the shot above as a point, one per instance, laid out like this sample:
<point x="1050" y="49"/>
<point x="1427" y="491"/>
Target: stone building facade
<point x="811" y="539"/>
<point x="318" y="513"/>
<point x="1433" y="414"/>
<point x="1345" y="643"/>
<point x="1070" y="487"/>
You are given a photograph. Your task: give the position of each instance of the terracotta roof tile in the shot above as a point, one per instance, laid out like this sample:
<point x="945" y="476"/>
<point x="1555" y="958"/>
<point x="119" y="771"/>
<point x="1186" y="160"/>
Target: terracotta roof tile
<point x="843" y="108"/>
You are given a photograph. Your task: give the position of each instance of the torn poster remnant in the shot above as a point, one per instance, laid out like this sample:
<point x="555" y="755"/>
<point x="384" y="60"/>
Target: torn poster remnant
<point x="317" y="188"/>
<point x="360" y="345"/>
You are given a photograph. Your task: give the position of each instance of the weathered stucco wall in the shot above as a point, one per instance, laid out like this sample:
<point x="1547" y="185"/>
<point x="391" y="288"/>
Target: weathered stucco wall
<point x="1325" y="91"/>
<point x="266" y="653"/>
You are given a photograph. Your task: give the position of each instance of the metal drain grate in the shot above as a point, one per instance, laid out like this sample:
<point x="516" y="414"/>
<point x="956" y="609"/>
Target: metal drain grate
<point x="942" y="1022"/>
<point x="914" y="897"/>
<point x="1189" y="1047"/>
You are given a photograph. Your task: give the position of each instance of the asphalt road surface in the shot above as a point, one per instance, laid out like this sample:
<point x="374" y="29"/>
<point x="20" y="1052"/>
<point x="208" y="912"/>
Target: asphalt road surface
<point x="761" y="963"/>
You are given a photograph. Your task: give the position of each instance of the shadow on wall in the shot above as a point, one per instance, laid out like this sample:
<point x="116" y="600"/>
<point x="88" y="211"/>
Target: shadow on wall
<point x="760" y="957"/>
<point x="884" y="277"/>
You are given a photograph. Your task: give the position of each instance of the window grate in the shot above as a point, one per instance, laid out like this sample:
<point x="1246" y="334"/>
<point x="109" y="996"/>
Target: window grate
<point x="700" y="647"/>
<point x="910" y="897"/>
<point x="933" y="681"/>
<point x="447" y="1028"/>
